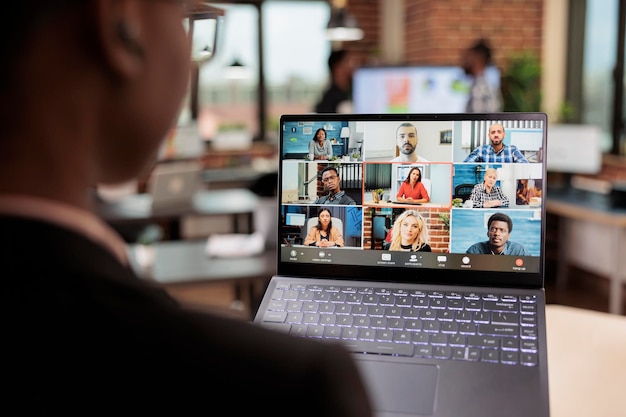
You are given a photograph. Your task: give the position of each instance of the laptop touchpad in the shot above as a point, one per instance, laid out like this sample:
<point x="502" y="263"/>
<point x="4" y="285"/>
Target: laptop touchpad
<point x="401" y="387"/>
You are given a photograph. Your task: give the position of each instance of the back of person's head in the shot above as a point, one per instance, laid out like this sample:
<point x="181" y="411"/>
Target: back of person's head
<point x="501" y="217"/>
<point x="335" y="57"/>
<point x="482" y="49"/>
<point x="15" y="32"/>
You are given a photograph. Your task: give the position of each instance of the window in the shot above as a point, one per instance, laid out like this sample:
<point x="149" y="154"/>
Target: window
<point x="294" y="66"/>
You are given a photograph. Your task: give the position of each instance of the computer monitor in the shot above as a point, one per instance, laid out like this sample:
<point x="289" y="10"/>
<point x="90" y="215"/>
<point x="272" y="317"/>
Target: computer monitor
<point x="414" y="89"/>
<point x="295" y="219"/>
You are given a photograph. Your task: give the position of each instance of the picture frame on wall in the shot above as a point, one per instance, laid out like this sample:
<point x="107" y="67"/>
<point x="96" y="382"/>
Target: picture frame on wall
<point x="445" y="137"/>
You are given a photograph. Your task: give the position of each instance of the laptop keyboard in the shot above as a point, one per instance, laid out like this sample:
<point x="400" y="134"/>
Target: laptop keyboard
<point x="479" y="327"/>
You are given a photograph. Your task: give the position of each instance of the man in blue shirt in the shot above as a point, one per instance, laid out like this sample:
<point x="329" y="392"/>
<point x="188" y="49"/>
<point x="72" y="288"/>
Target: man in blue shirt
<point x="496" y="150"/>
<point x="499" y="228"/>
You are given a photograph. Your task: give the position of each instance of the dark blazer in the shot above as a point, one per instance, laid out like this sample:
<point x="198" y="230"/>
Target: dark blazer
<point x="82" y="334"/>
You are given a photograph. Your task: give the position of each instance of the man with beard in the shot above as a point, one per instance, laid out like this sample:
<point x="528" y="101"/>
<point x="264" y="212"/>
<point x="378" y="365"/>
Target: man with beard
<point x="499" y="228"/>
<point x="496" y="150"/>
<point x="406" y="141"/>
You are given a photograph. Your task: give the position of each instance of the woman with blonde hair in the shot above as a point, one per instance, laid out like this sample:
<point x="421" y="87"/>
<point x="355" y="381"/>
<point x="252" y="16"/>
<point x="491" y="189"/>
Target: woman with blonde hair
<point x="410" y="233"/>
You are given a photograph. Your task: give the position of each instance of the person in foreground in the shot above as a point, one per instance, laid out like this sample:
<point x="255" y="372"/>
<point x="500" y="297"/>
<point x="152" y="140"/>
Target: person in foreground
<point x="487" y="194"/>
<point x="499" y="228"/>
<point x="496" y="150"/>
<point x="324" y="234"/>
<point x="89" y="90"/>
<point x="409" y="233"/>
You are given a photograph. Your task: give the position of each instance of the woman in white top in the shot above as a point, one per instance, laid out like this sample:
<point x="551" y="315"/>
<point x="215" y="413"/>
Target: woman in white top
<point x="319" y="147"/>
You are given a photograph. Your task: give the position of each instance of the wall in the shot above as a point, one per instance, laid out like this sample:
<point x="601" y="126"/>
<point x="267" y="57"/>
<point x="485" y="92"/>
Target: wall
<point x="437" y="31"/>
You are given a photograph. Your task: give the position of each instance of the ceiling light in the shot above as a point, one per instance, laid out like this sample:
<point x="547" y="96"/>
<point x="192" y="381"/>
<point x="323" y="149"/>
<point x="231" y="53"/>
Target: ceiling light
<point x="342" y="26"/>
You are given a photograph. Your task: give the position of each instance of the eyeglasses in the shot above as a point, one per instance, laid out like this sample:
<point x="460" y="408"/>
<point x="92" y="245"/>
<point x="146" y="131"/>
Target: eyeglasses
<point x="203" y="23"/>
<point x="329" y="178"/>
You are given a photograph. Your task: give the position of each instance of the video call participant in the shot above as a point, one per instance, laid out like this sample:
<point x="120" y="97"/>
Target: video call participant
<point x="324" y="234"/>
<point x="409" y="233"/>
<point x="82" y="333"/>
<point x="496" y="150"/>
<point x="499" y="228"/>
<point x="487" y="194"/>
<point x="406" y="142"/>
<point x="320" y="147"/>
<point x="412" y="189"/>
<point x="331" y="180"/>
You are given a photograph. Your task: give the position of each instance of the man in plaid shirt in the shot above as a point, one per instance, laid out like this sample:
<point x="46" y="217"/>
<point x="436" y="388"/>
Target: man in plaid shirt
<point x="496" y="150"/>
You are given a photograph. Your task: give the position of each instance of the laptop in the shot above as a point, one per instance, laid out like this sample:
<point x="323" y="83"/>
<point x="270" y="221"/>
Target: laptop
<point x="435" y="330"/>
<point x="173" y="185"/>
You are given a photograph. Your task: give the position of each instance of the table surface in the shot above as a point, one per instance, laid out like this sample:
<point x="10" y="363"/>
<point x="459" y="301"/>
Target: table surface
<point x="205" y="202"/>
<point x="581" y="204"/>
<point x="186" y="261"/>
<point x="586" y="362"/>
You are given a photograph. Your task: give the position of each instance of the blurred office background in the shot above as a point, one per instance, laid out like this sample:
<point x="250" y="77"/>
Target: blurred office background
<point x="574" y="47"/>
<point x="563" y="57"/>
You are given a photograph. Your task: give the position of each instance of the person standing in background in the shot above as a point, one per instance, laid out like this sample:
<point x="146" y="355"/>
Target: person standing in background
<point x="484" y="98"/>
<point x="337" y="98"/>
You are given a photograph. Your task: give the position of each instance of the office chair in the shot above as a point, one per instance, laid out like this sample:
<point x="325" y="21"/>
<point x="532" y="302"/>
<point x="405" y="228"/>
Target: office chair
<point x="463" y="191"/>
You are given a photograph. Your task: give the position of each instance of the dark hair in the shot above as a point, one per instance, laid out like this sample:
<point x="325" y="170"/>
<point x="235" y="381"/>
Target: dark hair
<point x="318" y="130"/>
<point x="500" y="217"/>
<point x="25" y="18"/>
<point x="336" y="57"/>
<point x="408" y="177"/>
<point x="329" y="168"/>
<point x="330" y="223"/>
<point x="482" y="49"/>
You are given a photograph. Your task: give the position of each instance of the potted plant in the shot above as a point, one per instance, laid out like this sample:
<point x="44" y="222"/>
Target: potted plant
<point x="354" y="156"/>
<point x="457" y="202"/>
<point x="380" y="191"/>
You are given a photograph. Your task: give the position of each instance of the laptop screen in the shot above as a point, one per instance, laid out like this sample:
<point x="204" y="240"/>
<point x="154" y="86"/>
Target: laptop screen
<point x="453" y="198"/>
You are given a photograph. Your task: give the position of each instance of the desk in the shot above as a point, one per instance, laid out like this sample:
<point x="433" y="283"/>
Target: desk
<point x="370" y="203"/>
<point x="586" y="362"/>
<point x="185" y="263"/>
<point x="137" y="208"/>
<point x="574" y="205"/>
